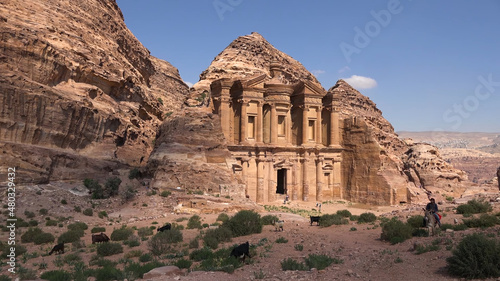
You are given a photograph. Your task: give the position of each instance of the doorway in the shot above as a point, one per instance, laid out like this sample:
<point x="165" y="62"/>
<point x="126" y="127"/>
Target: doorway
<point x="281" y="187"/>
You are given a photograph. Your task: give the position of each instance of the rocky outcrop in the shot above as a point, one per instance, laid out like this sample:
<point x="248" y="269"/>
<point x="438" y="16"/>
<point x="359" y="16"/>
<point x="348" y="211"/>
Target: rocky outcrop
<point x="74" y="81"/>
<point x="434" y="174"/>
<point x="191" y="154"/>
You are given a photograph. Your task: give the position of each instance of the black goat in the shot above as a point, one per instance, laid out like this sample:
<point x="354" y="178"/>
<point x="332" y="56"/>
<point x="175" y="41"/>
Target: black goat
<point x="59" y="248"/>
<point x="315" y="219"/>
<point x="167" y="226"/>
<point x="241" y="251"/>
<point x="98" y="238"/>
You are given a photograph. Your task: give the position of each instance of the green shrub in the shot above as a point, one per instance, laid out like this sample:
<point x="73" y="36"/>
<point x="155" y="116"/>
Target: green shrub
<point x="99" y="192"/>
<point x="108" y="273"/>
<point x="245" y="222"/>
<point x="268" y="219"/>
<point x="201" y="254"/>
<point x="165" y="193"/>
<point x="98" y="229"/>
<point x="33" y="223"/>
<point x="132" y="241"/>
<point x="291" y="264"/>
<point x="395" y="231"/>
<point x="88" y="212"/>
<point x="420" y="249"/>
<point x="299" y="247"/>
<point x="72" y="258"/>
<point x="162" y="241"/>
<point x="78" y="225"/>
<point x="282" y="240"/>
<point x="77" y="209"/>
<point x="145" y="257"/>
<point x="416" y="221"/>
<point x="219" y="261"/>
<point x="223" y="217"/>
<point x="332" y="219"/>
<point x="64" y="202"/>
<point x="51" y="223"/>
<point x="56" y="275"/>
<point x="109" y="249"/>
<point x="213" y="237"/>
<point x="70" y="236"/>
<point x="367" y="217"/>
<point x="194" y="222"/>
<point x="134" y="174"/>
<point x="30" y="235"/>
<point x="43" y="212"/>
<point x="344" y="213"/>
<point x="182" y="263"/>
<point x="121" y="234"/>
<point x="136" y="270"/>
<point x="112" y="185"/>
<point x="44" y="238"/>
<point x="485" y="220"/>
<point x="145" y="231"/>
<point x="474" y="207"/>
<point x="29" y="214"/>
<point x="319" y="262"/>
<point x="475" y="257"/>
<point x="102" y="214"/>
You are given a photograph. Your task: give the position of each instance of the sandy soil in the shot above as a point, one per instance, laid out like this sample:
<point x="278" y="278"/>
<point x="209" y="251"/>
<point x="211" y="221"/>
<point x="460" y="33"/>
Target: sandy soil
<point x="364" y="255"/>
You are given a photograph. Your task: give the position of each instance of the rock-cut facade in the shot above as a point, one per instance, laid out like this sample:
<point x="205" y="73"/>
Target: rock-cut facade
<point x="284" y="137"/>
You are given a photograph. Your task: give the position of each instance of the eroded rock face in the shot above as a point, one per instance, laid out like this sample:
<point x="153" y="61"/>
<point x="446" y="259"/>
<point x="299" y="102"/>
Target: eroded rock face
<point x="498" y="177"/>
<point x="191" y="154"/>
<point x="75" y="81"/>
<point x="434" y="174"/>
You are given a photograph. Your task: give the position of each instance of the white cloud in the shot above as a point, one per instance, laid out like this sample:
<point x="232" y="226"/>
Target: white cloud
<point x="189" y="84"/>
<point x="344" y="69"/>
<point x="317" y="72"/>
<point x="360" y="82"/>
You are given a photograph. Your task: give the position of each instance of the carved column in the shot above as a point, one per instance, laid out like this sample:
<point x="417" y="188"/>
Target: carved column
<point x="337" y="173"/>
<point x="289" y="125"/>
<point x="274" y="125"/>
<point x="244" y="168"/>
<point x="243" y="120"/>
<point x="289" y="184"/>
<point x="319" y="179"/>
<point x="330" y="186"/>
<point x="334" y="127"/>
<point x="260" y="180"/>
<point x="295" y="171"/>
<point x="259" y="123"/>
<point x="318" y="126"/>
<point x="305" y="185"/>
<point x="305" y="124"/>
<point x="271" y="186"/>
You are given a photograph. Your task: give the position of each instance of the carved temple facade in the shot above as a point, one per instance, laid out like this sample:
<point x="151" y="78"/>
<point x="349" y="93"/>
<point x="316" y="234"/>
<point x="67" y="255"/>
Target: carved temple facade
<point x="284" y="136"/>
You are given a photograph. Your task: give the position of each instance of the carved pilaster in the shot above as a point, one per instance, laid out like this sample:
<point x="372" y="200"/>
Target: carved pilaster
<point x="305" y="184"/>
<point x="260" y="180"/>
<point x="319" y="179"/>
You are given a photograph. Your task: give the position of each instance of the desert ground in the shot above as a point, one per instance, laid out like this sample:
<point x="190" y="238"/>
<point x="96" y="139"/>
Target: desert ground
<point x="364" y="255"/>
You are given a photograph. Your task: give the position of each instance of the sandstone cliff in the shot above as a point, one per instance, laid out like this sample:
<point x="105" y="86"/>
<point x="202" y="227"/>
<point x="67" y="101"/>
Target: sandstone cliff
<point x="79" y="89"/>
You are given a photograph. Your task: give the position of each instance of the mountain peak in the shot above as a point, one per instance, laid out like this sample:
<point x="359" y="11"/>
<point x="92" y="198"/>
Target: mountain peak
<point x="251" y="55"/>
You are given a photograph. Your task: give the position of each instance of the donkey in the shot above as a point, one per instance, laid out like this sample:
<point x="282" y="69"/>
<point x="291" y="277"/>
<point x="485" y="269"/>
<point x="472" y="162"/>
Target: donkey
<point x="431" y="222"/>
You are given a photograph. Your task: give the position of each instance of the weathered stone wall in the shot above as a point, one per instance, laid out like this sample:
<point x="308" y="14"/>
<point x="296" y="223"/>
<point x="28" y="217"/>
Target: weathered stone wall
<point x="74" y="79"/>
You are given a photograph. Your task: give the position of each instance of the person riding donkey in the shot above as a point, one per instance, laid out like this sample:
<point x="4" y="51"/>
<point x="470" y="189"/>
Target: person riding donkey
<point x="433" y="208"/>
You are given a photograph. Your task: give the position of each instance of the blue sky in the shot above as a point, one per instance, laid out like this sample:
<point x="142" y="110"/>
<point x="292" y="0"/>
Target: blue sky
<point x="428" y="65"/>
